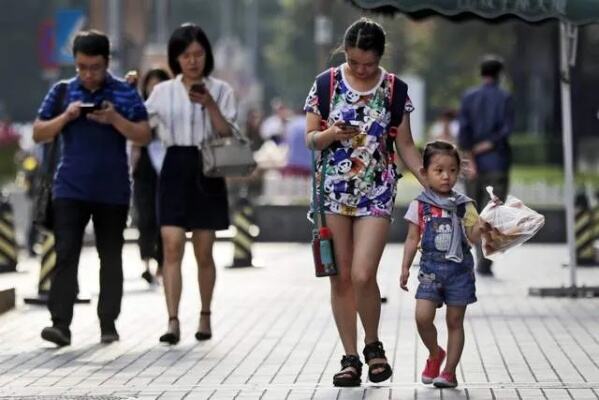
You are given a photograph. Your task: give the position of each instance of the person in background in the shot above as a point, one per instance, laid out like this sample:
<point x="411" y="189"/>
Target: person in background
<point x="446" y="127"/>
<point x="486" y="123"/>
<point x="253" y="121"/>
<point x="146" y="162"/>
<point x="299" y="161"/>
<point x="187" y="110"/>
<point x="98" y="115"/>
<point x="273" y="126"/>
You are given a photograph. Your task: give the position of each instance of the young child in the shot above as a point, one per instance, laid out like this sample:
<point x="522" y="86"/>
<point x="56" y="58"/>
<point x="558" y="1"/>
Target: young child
<point x="441" y="221"/>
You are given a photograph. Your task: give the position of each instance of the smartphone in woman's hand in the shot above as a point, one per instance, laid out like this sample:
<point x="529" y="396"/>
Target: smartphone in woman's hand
<point x="350" y="126"/>
<point x="199" y="88"/>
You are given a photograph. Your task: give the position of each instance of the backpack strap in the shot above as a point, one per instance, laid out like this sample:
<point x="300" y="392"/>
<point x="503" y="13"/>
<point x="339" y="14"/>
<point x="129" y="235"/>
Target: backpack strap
<point x="426" y="209"/>
<point x="325" y="83"/>
<point x="50" y="152"/>
<point x="61" y="92"/>
<point x="399" y="96"/>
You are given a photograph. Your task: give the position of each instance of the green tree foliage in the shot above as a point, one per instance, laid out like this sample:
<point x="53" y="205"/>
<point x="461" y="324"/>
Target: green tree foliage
<point x="446" y="55"/>
<point x="291" y="54"/>
<point x="443" y="53"/>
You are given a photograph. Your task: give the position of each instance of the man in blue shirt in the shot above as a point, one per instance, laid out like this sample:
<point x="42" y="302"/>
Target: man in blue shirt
<point x="486" y="122"/>
<point x="98" y="114"/>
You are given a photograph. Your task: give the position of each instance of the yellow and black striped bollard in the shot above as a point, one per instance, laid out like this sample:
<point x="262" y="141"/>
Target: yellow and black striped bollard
<point x="595" y="212"/>
<point x="8" y="243"/>
<point x="584" y="231"/>
<point x="47" y="267"/>
<point x="245" y="232"/>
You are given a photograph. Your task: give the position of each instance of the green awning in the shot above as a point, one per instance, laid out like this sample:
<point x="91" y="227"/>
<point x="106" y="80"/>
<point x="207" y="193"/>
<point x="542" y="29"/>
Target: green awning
<point x="577" y="12"/>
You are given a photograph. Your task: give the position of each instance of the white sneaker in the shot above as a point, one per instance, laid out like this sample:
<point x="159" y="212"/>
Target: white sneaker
<point x="445" y="380"/>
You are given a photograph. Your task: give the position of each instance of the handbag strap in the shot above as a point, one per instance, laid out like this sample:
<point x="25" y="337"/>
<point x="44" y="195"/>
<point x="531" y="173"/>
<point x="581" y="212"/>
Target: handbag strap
<point x="52" y="147"/>
<point x="318" y="200"/>
<point x="235" y="132"/>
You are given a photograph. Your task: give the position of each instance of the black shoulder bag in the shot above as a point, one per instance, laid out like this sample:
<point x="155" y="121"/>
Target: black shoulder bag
<point x="42" y="203"/>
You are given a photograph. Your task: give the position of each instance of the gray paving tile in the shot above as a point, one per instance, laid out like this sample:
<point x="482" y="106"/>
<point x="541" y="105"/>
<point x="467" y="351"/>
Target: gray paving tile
<point x="274" y="337"/>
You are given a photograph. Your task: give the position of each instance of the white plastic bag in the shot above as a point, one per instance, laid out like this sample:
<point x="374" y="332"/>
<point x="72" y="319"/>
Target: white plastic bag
<point x="510" y="224"/>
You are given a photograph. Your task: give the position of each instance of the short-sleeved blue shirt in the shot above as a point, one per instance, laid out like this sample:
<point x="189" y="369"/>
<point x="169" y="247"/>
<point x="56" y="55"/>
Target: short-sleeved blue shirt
<point x="93" y="164"/>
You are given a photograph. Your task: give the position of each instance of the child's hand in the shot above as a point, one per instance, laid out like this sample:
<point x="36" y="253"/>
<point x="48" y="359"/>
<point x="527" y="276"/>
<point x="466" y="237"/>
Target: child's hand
<point x="485" y="227"/>
<point x="403" y="279"/>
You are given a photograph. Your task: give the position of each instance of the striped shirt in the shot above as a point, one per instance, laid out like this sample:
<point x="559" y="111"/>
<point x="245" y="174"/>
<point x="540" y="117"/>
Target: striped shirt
<point x="93" y="164"/>
<point x="125" y="98"/>
<point x="179" y="121"/>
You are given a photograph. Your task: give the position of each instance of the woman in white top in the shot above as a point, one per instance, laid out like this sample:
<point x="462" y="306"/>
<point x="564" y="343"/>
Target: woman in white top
<point x="187" y="110"/>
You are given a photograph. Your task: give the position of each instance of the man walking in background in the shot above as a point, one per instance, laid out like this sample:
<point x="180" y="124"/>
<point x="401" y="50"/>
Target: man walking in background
<point x="486" y="122"/>
<point x="95" y="114"/>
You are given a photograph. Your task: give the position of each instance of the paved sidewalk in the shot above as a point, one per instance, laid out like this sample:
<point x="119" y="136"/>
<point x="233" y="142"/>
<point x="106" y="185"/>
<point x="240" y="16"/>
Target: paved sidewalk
<point x="274" y="337"/>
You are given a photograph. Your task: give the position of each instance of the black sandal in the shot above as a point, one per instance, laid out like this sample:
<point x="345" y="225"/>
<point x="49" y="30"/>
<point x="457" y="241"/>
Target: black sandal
<point x="171" y="337"/>
<point x="372" y="351"/>
<point x="348" y="378"/>
<point x="201" y="336"/>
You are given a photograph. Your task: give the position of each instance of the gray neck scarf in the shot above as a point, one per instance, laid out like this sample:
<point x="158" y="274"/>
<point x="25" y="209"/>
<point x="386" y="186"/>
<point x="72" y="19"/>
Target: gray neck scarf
<point x="450" y="204"/>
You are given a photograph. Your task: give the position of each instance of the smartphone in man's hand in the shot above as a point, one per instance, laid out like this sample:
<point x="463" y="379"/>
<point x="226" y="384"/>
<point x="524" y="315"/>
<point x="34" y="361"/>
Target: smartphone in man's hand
<point x="87" y="108"/>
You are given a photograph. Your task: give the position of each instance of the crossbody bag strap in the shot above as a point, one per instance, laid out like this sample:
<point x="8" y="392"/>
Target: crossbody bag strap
<point x="52" y="149"/>
<point x="323" y="221"/>
<point x="318" y="200"/>
<point x="314" y="206"/>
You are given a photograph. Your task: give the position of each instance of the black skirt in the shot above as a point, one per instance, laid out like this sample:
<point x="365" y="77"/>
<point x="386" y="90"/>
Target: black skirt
<point x="187" y="198"/>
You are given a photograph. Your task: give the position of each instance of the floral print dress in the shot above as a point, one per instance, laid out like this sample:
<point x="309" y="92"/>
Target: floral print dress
<point x="359" y="173"/>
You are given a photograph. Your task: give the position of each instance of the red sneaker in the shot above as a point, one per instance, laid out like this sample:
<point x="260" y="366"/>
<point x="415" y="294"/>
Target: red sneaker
<point x="432" y="368"/>
<point x="445" y="380"/>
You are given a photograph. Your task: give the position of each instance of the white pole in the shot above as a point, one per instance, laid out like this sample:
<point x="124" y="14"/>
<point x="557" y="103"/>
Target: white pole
<point x="113" y="17"/>
<point x="567" y="42"/>
<point x="161" y="15"/>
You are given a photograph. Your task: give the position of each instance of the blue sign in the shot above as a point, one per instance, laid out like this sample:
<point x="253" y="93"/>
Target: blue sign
<point x="68" y="23"/>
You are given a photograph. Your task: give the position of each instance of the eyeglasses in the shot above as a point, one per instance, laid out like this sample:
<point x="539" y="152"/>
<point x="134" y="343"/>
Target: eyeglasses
<point x="92" y="69"/>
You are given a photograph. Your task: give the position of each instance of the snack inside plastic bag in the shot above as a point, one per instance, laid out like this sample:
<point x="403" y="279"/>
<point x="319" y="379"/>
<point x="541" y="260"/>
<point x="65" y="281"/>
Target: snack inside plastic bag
<point x="508" y="225"/>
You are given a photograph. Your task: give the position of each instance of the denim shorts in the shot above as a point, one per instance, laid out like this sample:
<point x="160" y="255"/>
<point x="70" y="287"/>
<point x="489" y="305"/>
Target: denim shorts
<point x="446" y="282"/>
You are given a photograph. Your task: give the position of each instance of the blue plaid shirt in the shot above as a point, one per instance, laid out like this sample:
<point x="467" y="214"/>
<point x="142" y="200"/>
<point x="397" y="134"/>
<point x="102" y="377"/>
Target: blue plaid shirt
<point x="93" y="164"/>
<point x="487" y="113"/>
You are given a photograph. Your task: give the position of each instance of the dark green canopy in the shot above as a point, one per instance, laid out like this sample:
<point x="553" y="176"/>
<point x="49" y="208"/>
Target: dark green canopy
<point x="577" y="12"/>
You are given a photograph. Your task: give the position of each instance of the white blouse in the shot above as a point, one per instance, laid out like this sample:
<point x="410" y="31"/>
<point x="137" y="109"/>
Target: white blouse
<point x="180" y="122"/>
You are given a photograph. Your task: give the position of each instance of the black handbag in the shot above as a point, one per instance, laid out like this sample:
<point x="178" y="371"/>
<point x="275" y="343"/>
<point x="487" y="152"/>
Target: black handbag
<point x="42" y="203"/>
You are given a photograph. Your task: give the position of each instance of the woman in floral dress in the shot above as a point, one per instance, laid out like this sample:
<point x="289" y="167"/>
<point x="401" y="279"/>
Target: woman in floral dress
<point x="368" y="118"/>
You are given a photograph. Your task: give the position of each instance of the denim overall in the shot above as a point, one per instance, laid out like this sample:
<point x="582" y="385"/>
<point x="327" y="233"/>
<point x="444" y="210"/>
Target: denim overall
<point x="442" y="280"/>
